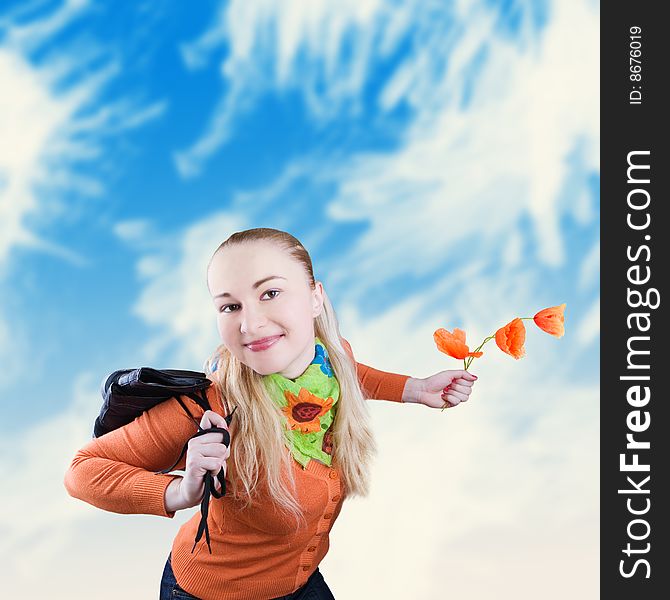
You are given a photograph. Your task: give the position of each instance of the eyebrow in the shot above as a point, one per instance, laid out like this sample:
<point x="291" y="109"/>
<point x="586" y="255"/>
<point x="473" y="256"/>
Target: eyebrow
<point x="255" y="286"/>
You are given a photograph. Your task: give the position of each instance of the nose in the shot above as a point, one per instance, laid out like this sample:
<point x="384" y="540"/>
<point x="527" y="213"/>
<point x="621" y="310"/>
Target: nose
<point x="252" y="320"/>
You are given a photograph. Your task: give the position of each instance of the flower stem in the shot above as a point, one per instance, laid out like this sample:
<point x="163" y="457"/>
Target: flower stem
<point x="469" y="362"/>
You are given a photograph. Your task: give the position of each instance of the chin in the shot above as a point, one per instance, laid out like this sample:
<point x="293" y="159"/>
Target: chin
<point x="265" y="371"/>
<point x="267" y="368"/>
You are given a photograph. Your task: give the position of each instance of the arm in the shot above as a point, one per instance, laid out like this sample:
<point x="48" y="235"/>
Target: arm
<point x="115" y="472"/>
<point x="381" y="385"/>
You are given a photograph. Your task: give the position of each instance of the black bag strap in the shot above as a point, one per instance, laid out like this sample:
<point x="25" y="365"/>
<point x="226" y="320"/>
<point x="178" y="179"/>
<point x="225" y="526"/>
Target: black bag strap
<point x="210" y="488"/>
<point x="127" y="393"/>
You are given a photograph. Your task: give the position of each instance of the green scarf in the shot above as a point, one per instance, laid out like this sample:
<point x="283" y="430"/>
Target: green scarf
<point x="308" y="405"/>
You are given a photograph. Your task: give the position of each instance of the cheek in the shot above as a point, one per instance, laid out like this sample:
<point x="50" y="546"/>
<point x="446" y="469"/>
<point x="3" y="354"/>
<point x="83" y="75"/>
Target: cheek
<point x="225" y="328"/>
<point x="228" y="337"/>
<point x="298" y="314"/>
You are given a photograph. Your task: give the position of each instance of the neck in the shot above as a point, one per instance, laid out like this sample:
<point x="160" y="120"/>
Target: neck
<point x="300" y="364"/>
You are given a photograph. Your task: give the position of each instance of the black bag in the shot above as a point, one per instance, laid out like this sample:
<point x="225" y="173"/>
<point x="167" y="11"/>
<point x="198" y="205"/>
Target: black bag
<point x="127" y="393"/>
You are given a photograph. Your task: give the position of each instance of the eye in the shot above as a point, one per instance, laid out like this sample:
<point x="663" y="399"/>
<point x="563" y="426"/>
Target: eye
<point x="223" y="308"/>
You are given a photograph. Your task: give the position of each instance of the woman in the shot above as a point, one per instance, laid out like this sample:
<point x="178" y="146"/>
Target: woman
<point x="300" y="441"/>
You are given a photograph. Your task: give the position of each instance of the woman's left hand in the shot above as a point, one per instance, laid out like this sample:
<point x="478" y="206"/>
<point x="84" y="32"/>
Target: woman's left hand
<point x="444" y="389"/>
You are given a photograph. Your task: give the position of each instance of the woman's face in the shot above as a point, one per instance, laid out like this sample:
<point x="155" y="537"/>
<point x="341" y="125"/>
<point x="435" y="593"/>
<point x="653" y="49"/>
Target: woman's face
<point x="260" y="292"/>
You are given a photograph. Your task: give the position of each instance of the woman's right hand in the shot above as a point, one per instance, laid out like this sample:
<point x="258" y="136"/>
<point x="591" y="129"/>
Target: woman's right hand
<point x="205" y="453"/>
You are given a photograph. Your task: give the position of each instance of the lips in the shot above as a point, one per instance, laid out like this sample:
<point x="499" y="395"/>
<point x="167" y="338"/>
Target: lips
<point x="263" y="343"/>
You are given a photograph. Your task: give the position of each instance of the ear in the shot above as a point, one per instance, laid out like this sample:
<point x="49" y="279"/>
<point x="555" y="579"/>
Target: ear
<point x="317" y="299"/>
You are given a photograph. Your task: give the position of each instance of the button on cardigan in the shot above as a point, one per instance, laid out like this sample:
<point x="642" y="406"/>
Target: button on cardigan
<point x="257" y="553"/>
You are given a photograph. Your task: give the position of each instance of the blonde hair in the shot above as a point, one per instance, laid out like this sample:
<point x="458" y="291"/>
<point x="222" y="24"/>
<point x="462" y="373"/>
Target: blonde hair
<point x="257" y="429"/>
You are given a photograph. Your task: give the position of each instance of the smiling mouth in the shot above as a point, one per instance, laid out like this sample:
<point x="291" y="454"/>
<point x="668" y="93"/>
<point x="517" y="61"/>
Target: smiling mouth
<point x="264" y="343"/>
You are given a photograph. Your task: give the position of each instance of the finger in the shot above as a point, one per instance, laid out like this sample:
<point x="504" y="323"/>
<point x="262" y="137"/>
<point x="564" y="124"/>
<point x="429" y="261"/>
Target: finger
<point x="208" y="438"/>
<point x="213" y="419"/>
<point x="210" y="418"/>
<point x="204" y="421"/>
<point x="457" y="387"/>
<point x="453" y="387"/>
<point x="214" y="449"/>
<point x="211" y="464"/>
<point x="450" y="397"/>
<point x="462" y="381"/>
<point x="218" y="420"/>
<point x="456" y="396"/>
<point x="464" y="376"/>
<point x="455" y="401"/>
<point x="456" y="373"/>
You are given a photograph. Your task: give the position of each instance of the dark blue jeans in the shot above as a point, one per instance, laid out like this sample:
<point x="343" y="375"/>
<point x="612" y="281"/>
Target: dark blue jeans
<point x="315" y="588"/>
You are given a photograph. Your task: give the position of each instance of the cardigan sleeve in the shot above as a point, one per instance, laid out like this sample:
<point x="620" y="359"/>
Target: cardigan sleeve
<point x="116" y="472"/>
<point x="376" y="384"/>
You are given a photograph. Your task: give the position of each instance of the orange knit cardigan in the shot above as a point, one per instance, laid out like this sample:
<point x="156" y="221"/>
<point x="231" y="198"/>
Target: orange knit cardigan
<point x="256" y="553"/>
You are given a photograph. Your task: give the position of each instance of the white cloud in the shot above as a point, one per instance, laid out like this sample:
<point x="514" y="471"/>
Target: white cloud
<point x="534" y="100"/>
<point x="139" y="233"/>
<point x="588" y="329"/>
<point x="476" y="173"/>
<point x="33" y="464"/>
<point x="590" y="268"/>
<point x="13" y="347"/>
<point x="323" y="49"/>
<point x="52" y="121"/>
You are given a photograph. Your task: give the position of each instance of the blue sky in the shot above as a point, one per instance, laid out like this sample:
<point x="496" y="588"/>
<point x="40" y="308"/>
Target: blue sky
<point x="439" y="160"/>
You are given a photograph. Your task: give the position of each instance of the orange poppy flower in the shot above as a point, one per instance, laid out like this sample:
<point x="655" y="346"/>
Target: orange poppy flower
<point x="453" y="344"/>
<point x="551" y="320"/>
<point x="511" y="337"/>
<point x="303" y="411"/>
